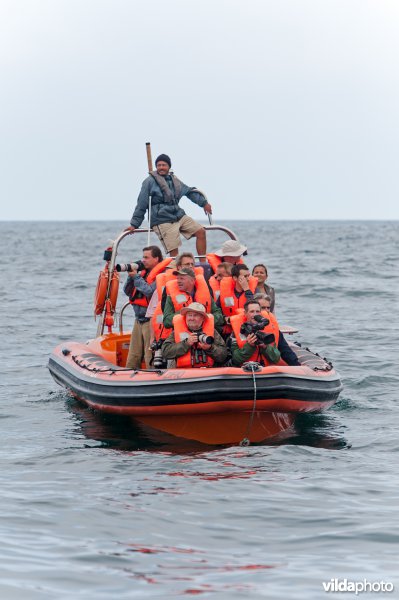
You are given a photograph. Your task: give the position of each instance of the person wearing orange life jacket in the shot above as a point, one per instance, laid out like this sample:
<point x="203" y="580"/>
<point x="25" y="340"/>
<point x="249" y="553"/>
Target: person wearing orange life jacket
<point x="222" y="270"/>
<point x="235" y="291"/>
<point x="247" y="347"/>
<point x="185" y="289"/>
<point x="157" y="304"/>
<point x="139" y="287"/>
<point x="230" y="252"/>
<point x="184" y="345"/>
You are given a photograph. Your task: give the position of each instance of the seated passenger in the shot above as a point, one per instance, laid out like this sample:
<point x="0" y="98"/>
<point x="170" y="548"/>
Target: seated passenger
<point x="222" y="270"/>
<point x="157" y="304"/>
<point x="247" y="345"/>
<point x="185" y="259"/>
<point x="185" y="289"/>
<point x="230" y="252"/>
<point x="264" y="301"/>
<point x="260" y="272"/>
<point x="185" y="344"/>
<point x="235" y="291"/>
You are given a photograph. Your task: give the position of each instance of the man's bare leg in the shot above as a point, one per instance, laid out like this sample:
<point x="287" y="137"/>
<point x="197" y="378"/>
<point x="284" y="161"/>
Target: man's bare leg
<point x="174" y="252"/>
<point x="201" y="243"/>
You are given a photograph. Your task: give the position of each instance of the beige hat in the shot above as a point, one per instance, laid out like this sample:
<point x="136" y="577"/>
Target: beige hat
<point x="231" y="248"/>
<point x="185" y="271"/>
<point x="196" y="307"/>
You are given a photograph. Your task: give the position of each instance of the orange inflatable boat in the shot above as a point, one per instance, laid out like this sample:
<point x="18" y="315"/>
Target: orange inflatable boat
<point x="223" y="405"/>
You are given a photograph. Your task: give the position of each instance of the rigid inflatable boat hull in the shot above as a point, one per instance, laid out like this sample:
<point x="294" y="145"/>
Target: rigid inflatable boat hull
<point x="214" y="406"/>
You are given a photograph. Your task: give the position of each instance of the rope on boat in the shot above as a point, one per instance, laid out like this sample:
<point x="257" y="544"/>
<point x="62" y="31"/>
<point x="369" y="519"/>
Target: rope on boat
<point x="112" y="370"/>
<point x="253" y="367"/>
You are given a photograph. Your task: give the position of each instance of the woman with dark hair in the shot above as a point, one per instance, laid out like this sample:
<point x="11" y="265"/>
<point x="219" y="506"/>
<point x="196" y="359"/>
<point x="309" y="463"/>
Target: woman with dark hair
<point x="260" y="272"/>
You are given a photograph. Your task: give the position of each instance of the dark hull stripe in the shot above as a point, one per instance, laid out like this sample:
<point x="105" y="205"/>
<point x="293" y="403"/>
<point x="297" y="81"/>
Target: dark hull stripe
<point x="116" y="394"/>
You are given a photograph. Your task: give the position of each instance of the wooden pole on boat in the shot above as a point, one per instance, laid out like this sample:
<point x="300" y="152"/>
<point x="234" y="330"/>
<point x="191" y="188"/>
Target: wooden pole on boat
<point x="149" y="156"/>
<point x="150" y="168"/>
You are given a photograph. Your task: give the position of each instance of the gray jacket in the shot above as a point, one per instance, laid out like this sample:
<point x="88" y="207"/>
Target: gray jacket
<point x="164" y="204"/>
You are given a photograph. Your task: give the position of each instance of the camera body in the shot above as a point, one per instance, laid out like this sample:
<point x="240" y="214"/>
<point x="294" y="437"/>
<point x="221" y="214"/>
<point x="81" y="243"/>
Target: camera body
<point x="256" y="329"/>
<point x="129" y="267"/>
<point x="158" y="361"/>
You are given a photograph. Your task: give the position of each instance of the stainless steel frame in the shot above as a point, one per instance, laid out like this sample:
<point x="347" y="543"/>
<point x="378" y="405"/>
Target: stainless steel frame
<point x="112" y="262"/>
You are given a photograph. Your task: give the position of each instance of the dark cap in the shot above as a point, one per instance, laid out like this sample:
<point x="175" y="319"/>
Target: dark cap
<point x="185" y="271"/>
<point x="163" y="158"/>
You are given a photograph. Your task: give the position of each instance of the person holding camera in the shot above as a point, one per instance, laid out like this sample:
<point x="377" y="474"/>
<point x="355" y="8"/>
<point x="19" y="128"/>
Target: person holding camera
<point x="139" y="287"/>
<point x="167" y="218"/>
<point x="257" y="338"/>
<point x="194" y="341"/>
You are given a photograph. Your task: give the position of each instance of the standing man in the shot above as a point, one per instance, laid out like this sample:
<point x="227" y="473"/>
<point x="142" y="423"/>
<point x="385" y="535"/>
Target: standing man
<point x="139" y="287"/>
<point x="168" y="220"/>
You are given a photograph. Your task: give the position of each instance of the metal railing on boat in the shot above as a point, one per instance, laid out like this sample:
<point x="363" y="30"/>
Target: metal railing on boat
<point x="114" y="254"/>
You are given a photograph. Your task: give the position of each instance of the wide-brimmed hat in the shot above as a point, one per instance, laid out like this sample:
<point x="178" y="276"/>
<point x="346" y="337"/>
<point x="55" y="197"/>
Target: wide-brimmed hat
<point x="231" y="248"/>
<point x="185" y="271"/>
<point x="196" y="307"/>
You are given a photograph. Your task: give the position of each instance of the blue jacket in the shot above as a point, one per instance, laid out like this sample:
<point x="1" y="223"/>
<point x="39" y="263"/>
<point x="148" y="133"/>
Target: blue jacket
<point x="163" y="211"/>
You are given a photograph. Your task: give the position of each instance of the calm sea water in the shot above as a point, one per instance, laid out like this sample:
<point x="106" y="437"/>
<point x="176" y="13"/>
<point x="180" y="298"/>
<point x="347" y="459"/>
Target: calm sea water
<point x="89" y="511"/>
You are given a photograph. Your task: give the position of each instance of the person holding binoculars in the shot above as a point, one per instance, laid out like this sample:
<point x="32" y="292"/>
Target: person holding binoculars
<point x="194" y="341"/>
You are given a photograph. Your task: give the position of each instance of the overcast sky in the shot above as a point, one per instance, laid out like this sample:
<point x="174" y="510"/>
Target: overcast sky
<point x="282" y="109"/>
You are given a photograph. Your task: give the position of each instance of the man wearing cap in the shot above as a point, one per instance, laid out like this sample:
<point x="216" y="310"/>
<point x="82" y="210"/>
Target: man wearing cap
<point x="189" y="287"/>
<point x="185" y="344"/>
<point x="167" y="218"/>
<point x="230" y="252"/>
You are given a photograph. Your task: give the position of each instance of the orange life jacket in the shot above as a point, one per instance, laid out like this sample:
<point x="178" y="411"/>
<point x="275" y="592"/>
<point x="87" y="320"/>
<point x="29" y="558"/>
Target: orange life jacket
<point x="236" y="322"/>
<point x="138" y="298"/>
<point x="229" y="302"/>
<point x="160" y="331"/>
<point x="215" y="261"/>
<point x="181" y="332"/>
<point x="215" y="287"/>
<point x="180" y="299"/>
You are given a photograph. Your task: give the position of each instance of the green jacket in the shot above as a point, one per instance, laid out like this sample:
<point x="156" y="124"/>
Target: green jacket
<point x="171" y="349"/>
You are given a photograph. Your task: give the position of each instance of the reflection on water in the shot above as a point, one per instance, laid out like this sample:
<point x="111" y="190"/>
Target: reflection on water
<point x="318" y="430"/>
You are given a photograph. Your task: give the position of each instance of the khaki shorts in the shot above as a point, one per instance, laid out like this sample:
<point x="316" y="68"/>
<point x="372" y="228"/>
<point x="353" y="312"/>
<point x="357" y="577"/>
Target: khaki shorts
<point x="169" y="233"/>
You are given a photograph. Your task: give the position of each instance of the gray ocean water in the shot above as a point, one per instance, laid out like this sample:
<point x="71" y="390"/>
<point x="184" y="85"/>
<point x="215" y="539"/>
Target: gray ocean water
<point x="90" y="510"/>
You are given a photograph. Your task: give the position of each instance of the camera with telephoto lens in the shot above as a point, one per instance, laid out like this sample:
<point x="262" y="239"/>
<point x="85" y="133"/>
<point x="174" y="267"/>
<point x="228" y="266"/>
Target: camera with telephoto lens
<point x="205" y="339"/>
<point x="256" y="329"/>
<point x="138" y="266"/>
<point x="158" y="361"/>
